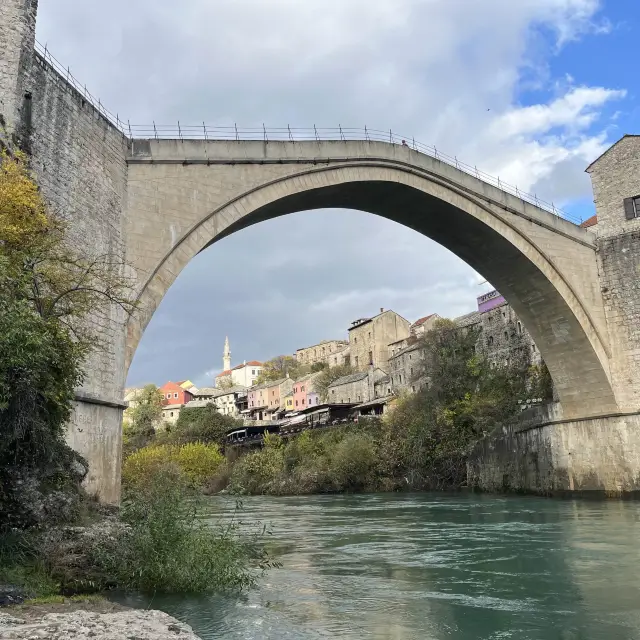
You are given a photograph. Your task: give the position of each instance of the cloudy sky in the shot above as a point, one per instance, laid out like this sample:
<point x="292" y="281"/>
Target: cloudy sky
<point x="531" y="90"/>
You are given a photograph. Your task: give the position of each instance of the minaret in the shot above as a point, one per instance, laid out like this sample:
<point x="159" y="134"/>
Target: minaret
<point x="226" y="356"/>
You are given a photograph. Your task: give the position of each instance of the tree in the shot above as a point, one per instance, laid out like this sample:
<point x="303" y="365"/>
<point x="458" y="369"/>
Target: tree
<point x="225" y="383"/>
<point x="319" y="366"/>
<point x="58" y="281"/>
<point x="329" y="375"/>
<point x="430" y="432"/>
<point x="278" y="368"/>
<point x="47" y="291"/>
<point x="143" y="418"/>
<point x="203" y="424"/>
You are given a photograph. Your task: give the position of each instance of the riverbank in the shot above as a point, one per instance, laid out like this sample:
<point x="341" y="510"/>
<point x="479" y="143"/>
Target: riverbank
<point x="88" y="617"/>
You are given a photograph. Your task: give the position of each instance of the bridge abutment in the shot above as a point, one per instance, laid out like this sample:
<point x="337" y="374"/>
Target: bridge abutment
<point x="544" y="454"/>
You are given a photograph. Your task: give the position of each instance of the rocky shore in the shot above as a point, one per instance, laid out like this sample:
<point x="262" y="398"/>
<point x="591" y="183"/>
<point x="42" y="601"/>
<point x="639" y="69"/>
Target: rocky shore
<point x="35" y="623"/>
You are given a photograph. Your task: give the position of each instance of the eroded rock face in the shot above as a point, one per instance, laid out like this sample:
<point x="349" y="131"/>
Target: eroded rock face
<point x="87" y="625"/>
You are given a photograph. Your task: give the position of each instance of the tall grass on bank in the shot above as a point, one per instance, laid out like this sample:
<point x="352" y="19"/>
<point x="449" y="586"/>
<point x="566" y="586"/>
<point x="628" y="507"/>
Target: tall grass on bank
<point x="170" y="548"/>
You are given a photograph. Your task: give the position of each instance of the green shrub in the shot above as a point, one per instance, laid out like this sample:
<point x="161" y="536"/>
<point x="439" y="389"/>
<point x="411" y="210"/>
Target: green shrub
<point x="353" y="463"/>
<point x="169" y="548"/>
<point x="196" y="461"/>
<point x="202" y="424"/>
<point x="260" y="471"/>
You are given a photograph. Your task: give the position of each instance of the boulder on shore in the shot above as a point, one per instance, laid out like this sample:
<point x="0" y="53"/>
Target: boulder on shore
<point x="89" y="625"/>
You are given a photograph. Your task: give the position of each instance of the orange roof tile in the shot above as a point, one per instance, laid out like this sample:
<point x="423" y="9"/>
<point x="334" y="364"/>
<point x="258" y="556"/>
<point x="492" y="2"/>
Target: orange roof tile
<point x="590" y="222"/>
<point x="417" y="323"/>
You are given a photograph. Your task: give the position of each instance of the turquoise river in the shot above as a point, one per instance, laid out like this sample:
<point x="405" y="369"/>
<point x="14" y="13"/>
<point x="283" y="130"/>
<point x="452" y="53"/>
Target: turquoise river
<point x="433" y="566"/>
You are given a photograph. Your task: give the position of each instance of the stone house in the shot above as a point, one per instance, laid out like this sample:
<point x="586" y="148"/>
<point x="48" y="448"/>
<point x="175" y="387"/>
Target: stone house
<point x="355" y="388"/>
<point x="324" y="351"/>
<point x="171" y="412"/>
<point x="227" y="401"/>
<point x="405" y="367"/>
<point x="503" y="337"/>
<point x="369" y="339"/>
<point x="422" y="325"/>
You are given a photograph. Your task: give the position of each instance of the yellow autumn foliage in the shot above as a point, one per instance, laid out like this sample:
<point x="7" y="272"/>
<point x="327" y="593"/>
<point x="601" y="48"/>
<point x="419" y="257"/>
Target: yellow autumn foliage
<point x="196" y="461"/>
<point x="23" y="218"/>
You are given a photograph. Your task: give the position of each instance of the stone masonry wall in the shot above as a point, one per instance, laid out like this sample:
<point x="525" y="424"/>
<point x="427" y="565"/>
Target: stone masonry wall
<point x="616" y="176"/>
<point x="564" y="456"/>
<point x="79" y="161"/>
<point x="17" y="37"/>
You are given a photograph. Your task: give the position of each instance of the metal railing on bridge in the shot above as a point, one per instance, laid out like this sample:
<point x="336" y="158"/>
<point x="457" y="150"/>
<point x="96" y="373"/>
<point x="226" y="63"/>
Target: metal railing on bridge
<point x="293" y="134"/>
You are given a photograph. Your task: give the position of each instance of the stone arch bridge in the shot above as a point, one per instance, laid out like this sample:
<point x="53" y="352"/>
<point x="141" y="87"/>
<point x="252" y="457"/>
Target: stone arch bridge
<point x="160" y="201"/>
<point x="184" y="195"/>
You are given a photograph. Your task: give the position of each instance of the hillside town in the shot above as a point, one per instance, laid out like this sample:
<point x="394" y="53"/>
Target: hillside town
<point x="383" y="353"/>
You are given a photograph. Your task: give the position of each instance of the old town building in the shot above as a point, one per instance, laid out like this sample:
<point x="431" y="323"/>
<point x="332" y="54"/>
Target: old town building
<point x="242" y="375"/>
<point x="325" y="351"/>
<point x="173" y="393"/>
<point x="503" y="338"/>
<point x="355" y="388"/>
<point x="369" y="339"/>
<point x="304" y="393"/>
<point x="406" y="367"/>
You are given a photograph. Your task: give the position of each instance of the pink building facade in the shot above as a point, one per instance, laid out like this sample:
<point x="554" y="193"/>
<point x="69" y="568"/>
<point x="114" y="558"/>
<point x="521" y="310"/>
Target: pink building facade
<point x="304" y="394"/>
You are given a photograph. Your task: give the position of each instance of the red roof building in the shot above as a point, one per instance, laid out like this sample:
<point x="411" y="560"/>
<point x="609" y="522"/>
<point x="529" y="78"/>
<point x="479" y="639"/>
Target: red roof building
<point x="173" y="393"/>
<point x="590" y="222"/>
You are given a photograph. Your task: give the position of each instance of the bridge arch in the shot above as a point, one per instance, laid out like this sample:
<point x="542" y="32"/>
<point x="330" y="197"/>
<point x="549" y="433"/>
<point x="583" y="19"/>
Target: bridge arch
<point x="533" y="261"/>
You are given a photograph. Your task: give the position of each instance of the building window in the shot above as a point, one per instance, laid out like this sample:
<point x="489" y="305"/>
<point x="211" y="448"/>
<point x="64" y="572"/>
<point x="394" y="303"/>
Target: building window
<point x="506" y="335"/>
<point x="175" y="395"/>
<point x="533" y="347"/>
<point x="632" y="207"/>
<point x="335" y="361"/>
<point x="302" y="389"/>
<point x="349" y="400"/>
<point x="296" y="403"/>
<point x="369" y="335"/>
<point x="172" y="414"/>
<point x="490" y="341"/>
<point x="411" y="371"/>
<point x="164" y="415"/>
<point x="333" y="391"/>
<point x="302" y="400"/>
<point x="370" y="357"/>
<point x="355" y="341"/>
<point x="388" y="389"/>
<point x="519" y="328"/>
<point x="413" y="389"/>
<point x="253" y="372"/>
<point x="356" y="360"/>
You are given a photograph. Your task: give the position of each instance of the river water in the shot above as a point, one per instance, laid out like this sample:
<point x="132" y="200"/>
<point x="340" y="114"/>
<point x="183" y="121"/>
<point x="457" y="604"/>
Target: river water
<point x="432" y="566"/>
